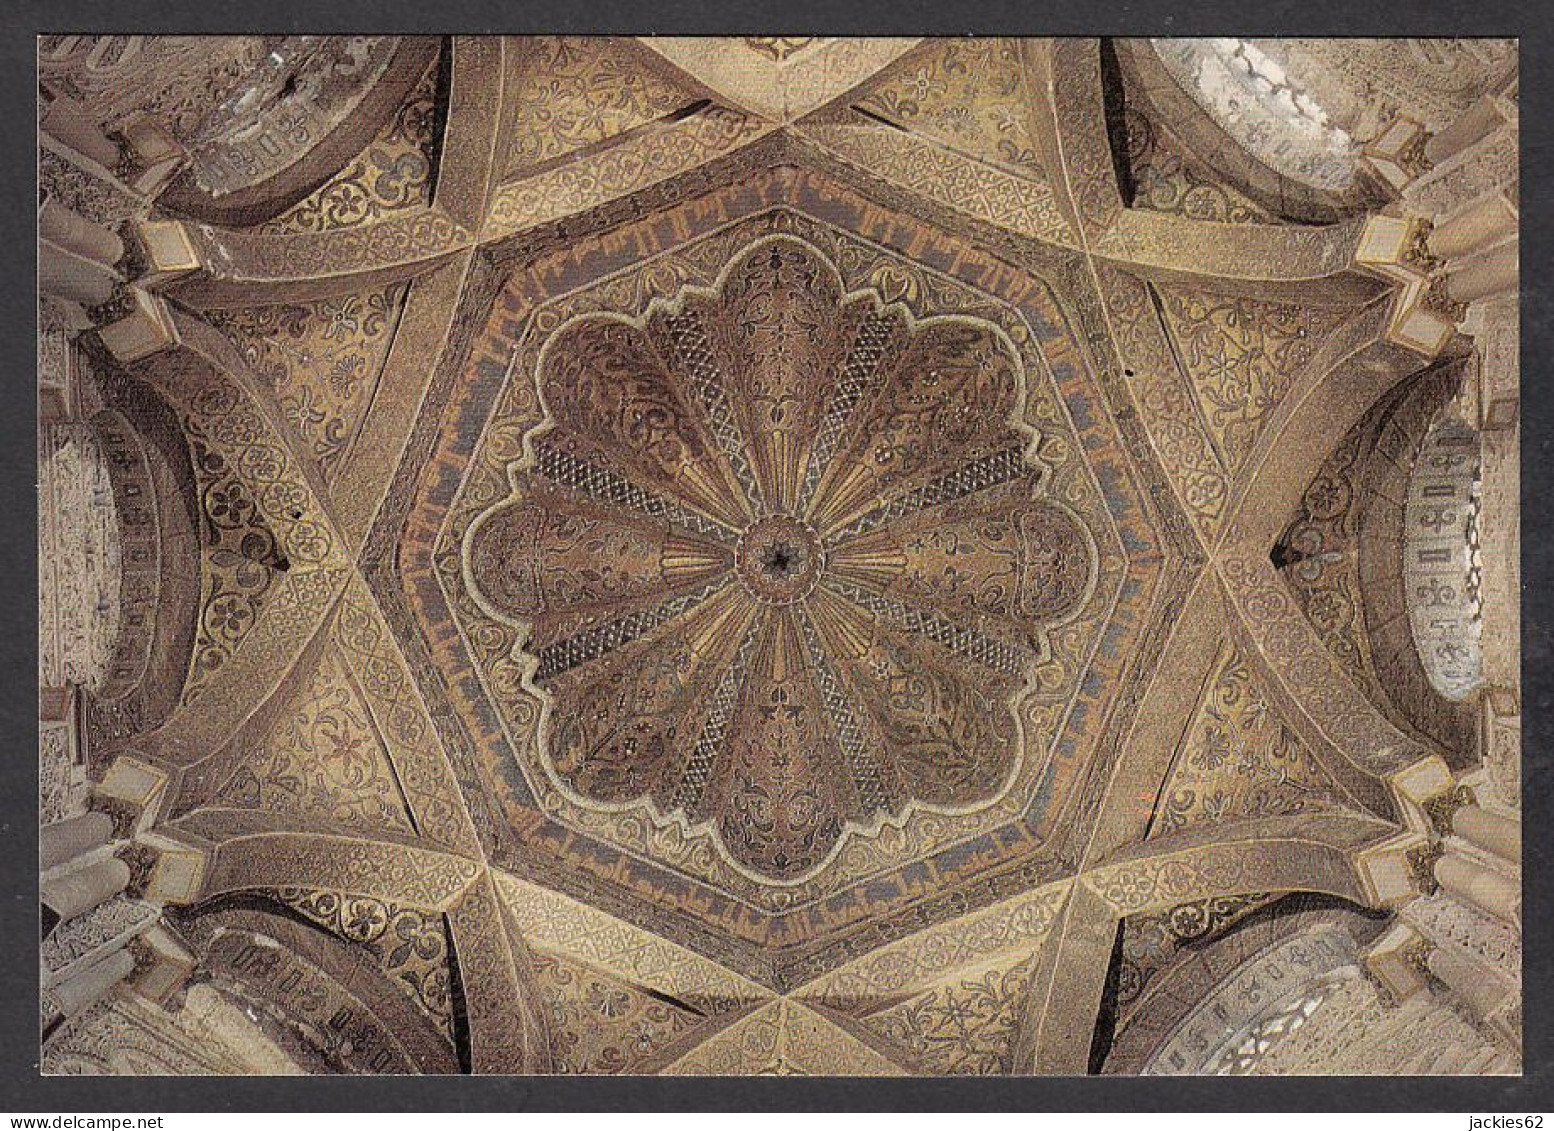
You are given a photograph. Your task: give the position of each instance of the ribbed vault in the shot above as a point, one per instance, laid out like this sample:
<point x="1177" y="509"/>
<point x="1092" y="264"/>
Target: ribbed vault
<point x="778" y="554"/>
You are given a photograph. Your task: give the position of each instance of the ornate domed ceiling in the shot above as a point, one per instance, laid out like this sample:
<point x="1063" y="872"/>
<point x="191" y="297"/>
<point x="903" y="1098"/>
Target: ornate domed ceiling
<point x="739" y="549"/>
<point x="778" y="560"/>
<point x="779" y="554"/>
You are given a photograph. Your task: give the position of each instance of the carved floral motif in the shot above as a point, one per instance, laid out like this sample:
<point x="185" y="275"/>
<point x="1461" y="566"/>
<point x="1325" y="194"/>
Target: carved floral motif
<point x="323" y="359"/>
<point x="410" y="944"/>
<point x="1239" y="759"/>
<point x="779" y="48"/>
<point x="324" y="759"/>
<point x="600" y="1024"/>
<point x="241" y="561"/>
<point x="965" y="1028"/>
<point x="576" y="91"/>
<point x="1164" y="181"/>
<point x="1242" y="355"/>
<point x="783" y="561"/>
<point x="392" y="174"/>
<point x="967" y="93"/>
<point x="787" y="574"/>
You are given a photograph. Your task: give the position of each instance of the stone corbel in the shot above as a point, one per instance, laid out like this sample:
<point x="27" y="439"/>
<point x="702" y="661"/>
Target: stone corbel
<point x="67" y="840"/>
<point x="1430" y="801"/>
<point x="1481" y="992"/>
<point x="65" y="120"/>
<point x="1399" y="960"/>
<point x="1490" y="832"/>
<point x="1391" y="869"/>
<point x="1397" y="156"/>
<point x="147" y="329"/>
<point x="1389" y="247"/>
<point x="1481" y="223"/>
<point x="132" y="792"/>
<point x="84" y="238"/>
<point x="76" y="888"/>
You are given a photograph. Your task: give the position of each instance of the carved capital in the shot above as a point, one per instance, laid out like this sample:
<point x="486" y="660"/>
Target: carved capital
<point x="1399" y="961"/>
<point x="131" y="792"/>
<point x="145" y="330"/>
<point x="1442" y="808"/>
<point x="171" y="252"/>
<point x="1392" y="247"/>
<point x="176" y="874"/>
<point x="1421" y="864"/>
<point x="163" y="965"/>
<point x="1391" y="869"/>
<point x="1398" y="155"/>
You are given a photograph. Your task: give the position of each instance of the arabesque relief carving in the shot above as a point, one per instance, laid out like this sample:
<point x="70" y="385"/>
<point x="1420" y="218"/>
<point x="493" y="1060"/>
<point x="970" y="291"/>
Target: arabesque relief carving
<point x="782" y="555"/>
<point x="740" y="546"/>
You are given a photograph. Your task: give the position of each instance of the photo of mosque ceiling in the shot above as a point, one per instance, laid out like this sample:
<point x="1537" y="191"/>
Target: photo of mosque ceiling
<point x="778" y="555"/>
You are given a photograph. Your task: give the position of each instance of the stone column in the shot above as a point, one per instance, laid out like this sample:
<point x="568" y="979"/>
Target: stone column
<point x="1492" y="832"/>
<point x="1483" y="116"/>
<point x="62" y="842"/>
<point x="64" y="274"/>
<point x="1488" y="890"/>
<point x="1493" y="272"/>
<point x="1465" y="978"/>
<point x="78" y="891"/>
<point x="64" y="119"/>
<point x="1485" y="222"/>
<point x="78" y="235"/>
<point x="85" y="989"/>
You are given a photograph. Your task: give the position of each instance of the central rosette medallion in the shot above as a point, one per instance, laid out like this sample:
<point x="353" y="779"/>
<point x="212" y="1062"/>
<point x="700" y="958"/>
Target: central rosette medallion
<point x="779" y="559"/>
<point x="782" y="560"/>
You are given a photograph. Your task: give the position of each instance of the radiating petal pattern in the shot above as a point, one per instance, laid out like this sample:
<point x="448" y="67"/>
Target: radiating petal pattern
<point x="548" y="557"/>
<point x="945" y="727"/>
<point x="634" y="711"/>
<point x="776" y="796"/>
<point x="1002" y="553"/>
<point x="615" y="401"/>
<point x="785" y="564"/>
<point x="945" y="399"/>
<point x="779" y="312"/>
